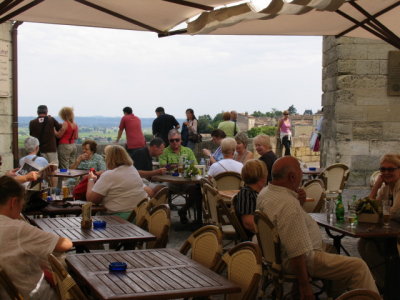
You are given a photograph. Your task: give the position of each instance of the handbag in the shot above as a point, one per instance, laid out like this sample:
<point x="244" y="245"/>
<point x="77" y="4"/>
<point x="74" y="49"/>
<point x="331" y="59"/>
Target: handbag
<point x="195" y="137"/>
<point x="34" y="202"/>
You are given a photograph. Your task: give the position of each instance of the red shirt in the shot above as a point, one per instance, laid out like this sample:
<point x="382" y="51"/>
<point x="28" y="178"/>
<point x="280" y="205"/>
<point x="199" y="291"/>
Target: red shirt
<point x="133" y="130"/>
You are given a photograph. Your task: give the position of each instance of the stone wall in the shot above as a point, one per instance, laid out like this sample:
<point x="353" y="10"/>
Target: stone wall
<point x="6" y="107"/>
<point x="361" y="122"/>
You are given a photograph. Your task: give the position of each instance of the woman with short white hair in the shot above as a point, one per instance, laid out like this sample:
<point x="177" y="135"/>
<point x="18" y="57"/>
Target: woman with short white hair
<point x="262" y="144"/>
<point x="32" y="148"/>
<point x="227" y="164"/>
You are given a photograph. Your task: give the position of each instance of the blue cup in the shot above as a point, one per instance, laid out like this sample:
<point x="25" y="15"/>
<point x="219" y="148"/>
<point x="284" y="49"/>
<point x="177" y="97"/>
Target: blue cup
<point x="63" y="170"/>
<point x="117" y="266"/>
<point x="99" y="224"/>
<point x="312" y="169"/>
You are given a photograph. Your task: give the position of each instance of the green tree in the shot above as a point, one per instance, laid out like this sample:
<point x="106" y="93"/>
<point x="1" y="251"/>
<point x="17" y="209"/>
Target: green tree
<point x="217" y="119"/>
<point x="268" y="130"/>
<point x="204" y="124"/>
<point x="292" y="110"/>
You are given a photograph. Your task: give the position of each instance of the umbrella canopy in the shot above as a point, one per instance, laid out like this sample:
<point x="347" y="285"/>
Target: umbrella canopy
<point x="356" y="18"/>
<point x="360" y="18"/>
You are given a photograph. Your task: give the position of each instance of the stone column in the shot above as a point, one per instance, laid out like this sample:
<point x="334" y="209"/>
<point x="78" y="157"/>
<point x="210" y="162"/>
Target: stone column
<point x="6" y="100"/>
<point x="361" y="122"/>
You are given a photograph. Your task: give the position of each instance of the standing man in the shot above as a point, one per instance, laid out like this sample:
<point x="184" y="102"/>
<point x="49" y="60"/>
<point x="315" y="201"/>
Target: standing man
<point x="43" y="128"/>
<point x="301" y="241"/>
<point x="234" y="116"/>
<point x="133" y="130"/>
<point x="163" y="124"/>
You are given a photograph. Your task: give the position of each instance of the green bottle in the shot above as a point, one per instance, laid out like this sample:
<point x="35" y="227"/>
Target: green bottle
<point x="339" y="209"/>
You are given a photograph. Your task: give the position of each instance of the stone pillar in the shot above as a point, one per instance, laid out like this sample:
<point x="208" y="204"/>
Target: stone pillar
<point x="361" y="122"/>
<point x="6" y="101"/>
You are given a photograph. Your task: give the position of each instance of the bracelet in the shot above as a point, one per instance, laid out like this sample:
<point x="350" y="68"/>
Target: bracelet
<point x="91" y="179"/>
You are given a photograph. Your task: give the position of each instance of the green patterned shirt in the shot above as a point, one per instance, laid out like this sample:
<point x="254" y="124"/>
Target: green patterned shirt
<point x="96" y="162"/>
<point x="170" y="157"/>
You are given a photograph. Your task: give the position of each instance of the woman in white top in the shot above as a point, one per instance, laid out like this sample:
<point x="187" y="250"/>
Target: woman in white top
<point x="227" y="164"/>
<point x="120" y="188"/>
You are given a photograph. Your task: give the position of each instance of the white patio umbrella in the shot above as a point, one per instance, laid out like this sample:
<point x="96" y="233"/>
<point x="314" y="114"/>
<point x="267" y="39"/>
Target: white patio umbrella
<point x="355" y="18"/>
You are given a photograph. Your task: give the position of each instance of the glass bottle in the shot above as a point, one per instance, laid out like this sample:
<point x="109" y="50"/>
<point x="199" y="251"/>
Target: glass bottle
<point x="339" y="209"/>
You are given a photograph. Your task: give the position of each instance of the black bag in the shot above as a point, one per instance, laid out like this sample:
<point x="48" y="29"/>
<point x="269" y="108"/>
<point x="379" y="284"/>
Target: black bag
<point x="195" y="137"/>
<point x="34" y="202"/>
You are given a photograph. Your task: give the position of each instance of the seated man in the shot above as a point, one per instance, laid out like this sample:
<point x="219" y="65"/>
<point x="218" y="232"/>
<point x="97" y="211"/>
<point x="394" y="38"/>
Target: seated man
<point x="217" y="136"/>
<point x="171" y="155"/>
<point x="227" y="164"/>
<point x="301" y="239"/>
<point x="31" y="176"/>
<point x="24" y="248"/>
<point x="32" y="148"/>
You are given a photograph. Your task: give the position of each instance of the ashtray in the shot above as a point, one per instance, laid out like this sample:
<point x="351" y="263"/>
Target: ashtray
<point x="63" y="170"/>
<point x="175" y="174"/>
<point x="117" y="266"/>
<point x="312" y="169"/>
<point x="99" y="224"/>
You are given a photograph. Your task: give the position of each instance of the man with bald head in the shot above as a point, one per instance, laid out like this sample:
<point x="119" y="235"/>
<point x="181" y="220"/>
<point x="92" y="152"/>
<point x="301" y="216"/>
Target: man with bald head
<point x="301" y="241"/>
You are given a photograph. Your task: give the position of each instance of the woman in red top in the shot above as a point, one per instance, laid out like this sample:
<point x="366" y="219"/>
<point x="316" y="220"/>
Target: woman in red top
<point x="67" y="135"/>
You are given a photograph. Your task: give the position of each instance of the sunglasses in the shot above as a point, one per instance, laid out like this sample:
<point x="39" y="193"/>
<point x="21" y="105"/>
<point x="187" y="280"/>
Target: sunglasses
<point x="285" y="114"/>
<point x="174" y="140"/>
<point x="390" y="170"/>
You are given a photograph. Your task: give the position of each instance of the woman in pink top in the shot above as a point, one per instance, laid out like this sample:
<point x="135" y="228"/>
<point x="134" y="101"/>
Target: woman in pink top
<point x="67" y="135"/>
<point x="285" y="134"/>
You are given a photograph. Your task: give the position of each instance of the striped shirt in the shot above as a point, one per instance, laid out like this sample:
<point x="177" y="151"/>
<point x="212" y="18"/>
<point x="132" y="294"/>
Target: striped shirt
<point x="245" y="204"/>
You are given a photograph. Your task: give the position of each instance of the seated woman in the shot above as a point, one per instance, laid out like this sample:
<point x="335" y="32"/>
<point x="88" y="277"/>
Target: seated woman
<point x="120" y="188"/>
<point x="32" y="148"/>
<point x="24" y="248"/>
<point x="227" y="164"/>
<point x="242" y="154"/>
<point x="387" y="186"/>
<point x="89" y="158"/>
<point x="217" y="136"/>
<point x="254" y="175"/>
<point x="262" y="144"/>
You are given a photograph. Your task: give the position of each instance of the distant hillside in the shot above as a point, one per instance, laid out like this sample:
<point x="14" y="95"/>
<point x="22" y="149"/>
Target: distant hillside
<point x="98" y="122"/>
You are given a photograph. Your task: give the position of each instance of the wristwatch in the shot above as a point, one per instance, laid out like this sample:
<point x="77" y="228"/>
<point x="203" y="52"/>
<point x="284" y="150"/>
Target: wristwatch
<point x="91" y="179"/>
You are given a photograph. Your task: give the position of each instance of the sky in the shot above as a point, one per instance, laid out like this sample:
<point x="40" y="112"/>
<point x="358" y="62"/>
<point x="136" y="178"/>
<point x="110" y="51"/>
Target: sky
<point x="99" y="71"/>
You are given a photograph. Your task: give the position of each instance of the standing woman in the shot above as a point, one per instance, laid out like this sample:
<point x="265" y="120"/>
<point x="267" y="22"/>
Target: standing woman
<point x="284" y="131"/>
<point x="191" y="125"/>
<point x="67" y="135"/>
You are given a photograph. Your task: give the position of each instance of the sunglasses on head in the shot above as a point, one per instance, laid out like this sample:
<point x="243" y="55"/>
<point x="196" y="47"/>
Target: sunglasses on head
<point x="388" y="169"/>
<point x="174" y="140"/>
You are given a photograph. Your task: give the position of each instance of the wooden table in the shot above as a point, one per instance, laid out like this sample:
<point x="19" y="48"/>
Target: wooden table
<point x="370" y="230"/>
<point x="174" y="179"/>
<point x="227" y="195"/>
<point x="151" y="274"/>
<point x="57" y="208"/>
<point x="117" y="230"/>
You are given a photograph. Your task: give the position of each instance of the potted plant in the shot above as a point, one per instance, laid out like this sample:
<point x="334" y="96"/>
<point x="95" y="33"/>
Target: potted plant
<point x="367" y="210"/>
<point x="191" y="171"/>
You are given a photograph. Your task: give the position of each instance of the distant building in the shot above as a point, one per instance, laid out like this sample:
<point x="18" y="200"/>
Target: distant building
<point x="308" y="112"/>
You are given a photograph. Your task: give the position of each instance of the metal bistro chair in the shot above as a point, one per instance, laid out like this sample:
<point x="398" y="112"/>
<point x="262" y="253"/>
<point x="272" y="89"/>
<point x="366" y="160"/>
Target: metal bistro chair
<point x="158" y="222"/>
<point x="66" y="285"/>
<point x="335" y="177"/>
<point x="7" y="285"/>
<point x="161" y="197"/>
<point x="228" y="181"/>
<point x="233" y="219"/>
<point x="137" y="215"/>
<point x="205" y="245"/>
<point x="315" y="190"/>
<point x="244" y="268"/>
<point x="205" y="207"/>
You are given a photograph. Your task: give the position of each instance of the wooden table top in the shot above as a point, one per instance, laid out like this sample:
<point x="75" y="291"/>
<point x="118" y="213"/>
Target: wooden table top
<point x="117" y="230"/>
<point x="151" y="274"/>
<point x="71" y="173"/>
<point x="366" y="230"/>
<point x="174" y="179"/>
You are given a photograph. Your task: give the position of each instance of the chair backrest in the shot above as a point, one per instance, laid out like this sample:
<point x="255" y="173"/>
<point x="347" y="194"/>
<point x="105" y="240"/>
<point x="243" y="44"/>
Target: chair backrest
<point x="268" y="240"/>
<point x="244" y="267"/>
<point x="373" y="178"/>
<point x="205" y="207"/>
<point x="66" y="285"/>
<point x="158" y="222"/>
<point x="359" y="294"/>
<point x="205" y="245"/>
<point x="7" y="285"/>
<point x="161" y="197"/>
<point x="212" y="196"/>
<point x="314" y="190"/>
<point x="228" y="181"/>
<point x="233" y="219"/>
<point x="139" y="212"/>
<point x="335" y="177"/>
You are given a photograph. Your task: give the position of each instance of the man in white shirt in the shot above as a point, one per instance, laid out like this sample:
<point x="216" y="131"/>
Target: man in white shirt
<point x="227" y="164"/>
<point x="23" y="247"/>
<point x="301" y="242"/>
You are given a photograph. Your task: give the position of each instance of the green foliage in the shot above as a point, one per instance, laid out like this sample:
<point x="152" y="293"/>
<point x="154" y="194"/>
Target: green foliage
<point x="268" y="130"/>
<point x="204" y="124"/>
<point x="217" y="119"/>
<point x="367" y="206"/>
<point x="274" y="113"/>
<point x="292" y="110"/>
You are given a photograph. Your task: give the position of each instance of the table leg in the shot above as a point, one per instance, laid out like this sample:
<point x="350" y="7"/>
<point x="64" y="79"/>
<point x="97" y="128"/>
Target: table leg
<point x="337" y="241"/>
<point x="392" y="272"/>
